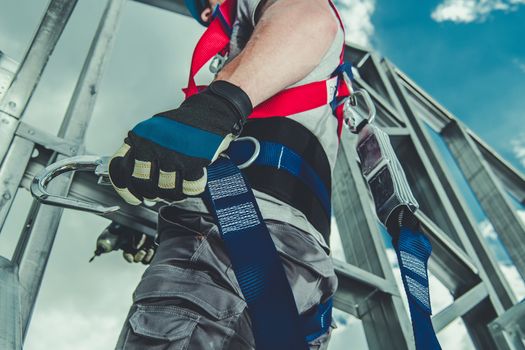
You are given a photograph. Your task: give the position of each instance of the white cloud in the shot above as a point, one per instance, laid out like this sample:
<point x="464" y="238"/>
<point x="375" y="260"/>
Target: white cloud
<point x="78" y="331"/>
<point x="518" y="145"/>
<point x="466" y="11"/>
<point x="487" y="230"/>
<point x="348" y="327"/>
<point x="513" y="277"/>
<point x="357" y="19"/>
<point x="521" y="215"/>
<point x="519" y="63"/>
<point x="508" y="269"/>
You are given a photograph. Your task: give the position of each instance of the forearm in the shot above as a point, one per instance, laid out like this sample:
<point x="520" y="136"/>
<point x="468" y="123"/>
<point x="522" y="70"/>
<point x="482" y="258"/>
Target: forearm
<point x="288" y="42"/>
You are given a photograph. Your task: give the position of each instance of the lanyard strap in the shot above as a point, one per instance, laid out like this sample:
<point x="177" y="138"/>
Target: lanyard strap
<point x="413" y="251"/>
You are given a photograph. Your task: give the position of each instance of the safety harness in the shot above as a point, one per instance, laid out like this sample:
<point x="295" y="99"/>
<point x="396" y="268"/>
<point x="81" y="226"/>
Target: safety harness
<point x="214" y="43"/>
<point x="275" y="320"/>
<point x="256" y="263"/>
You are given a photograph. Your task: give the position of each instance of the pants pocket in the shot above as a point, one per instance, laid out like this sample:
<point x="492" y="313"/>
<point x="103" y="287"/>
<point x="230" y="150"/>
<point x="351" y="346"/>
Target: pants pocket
<point x="157" y="327"/>
<point x="181" y="308"/>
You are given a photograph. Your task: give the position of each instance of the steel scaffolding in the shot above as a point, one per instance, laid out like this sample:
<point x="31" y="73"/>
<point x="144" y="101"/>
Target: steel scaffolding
<point x="461" y="258"/>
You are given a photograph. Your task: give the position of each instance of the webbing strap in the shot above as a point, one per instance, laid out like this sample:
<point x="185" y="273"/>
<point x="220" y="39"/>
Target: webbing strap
<point x="413" y="251"/>
<point x="215" y="39"/>
<point x="254" y="258"/>
<point x="276" y="155"/>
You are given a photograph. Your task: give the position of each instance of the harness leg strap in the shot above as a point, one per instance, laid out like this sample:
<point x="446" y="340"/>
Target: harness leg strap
<point x="255" y="261"/>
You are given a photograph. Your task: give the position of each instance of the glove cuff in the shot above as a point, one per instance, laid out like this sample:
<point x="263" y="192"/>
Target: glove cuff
<point x="234" y="95"/>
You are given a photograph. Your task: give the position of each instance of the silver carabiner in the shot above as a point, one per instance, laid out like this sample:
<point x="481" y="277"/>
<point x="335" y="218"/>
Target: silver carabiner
<point x="353" y="119"/>
<point x="100" y="165"/>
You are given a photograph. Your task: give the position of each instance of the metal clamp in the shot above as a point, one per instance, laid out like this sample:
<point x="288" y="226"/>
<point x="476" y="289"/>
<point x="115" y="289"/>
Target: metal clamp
<point x="353" y="119"/>
<point x="100" y="165"/>
<point x="217" y="63"/>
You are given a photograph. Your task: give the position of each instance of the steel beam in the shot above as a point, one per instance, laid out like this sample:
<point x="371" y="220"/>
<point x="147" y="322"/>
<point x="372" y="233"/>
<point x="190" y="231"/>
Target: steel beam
<point x="386" y="322"/>
<point x="28" y="75"/>
<point x="16" y="160"/>
<point x="508" y="330"/>
<point x="476" y="322"/>
<point x="488" y="191"/>
<point x="437" y="116"/>
<point x="459" y="307"/>
<point x="170" y="5"/>
<point x="47" y="140"/>
<point x="33" y="251"/>
<point x="448" y="262"/>
<point x="10" y="325"/>
<point x="18" y="95"/>
<point x="8" y="67"/>
<point x="511" y="179"/>
<point x="467" y="233"/>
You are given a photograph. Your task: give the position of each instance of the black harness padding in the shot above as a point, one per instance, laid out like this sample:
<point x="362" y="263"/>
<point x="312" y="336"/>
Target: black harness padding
<point x="281" y="184"/>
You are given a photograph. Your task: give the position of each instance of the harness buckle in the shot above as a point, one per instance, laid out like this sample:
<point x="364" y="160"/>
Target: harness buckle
<point x="217" y="63"/>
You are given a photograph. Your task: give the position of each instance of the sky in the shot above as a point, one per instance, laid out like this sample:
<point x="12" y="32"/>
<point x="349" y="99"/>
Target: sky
<point x="465" y="53"/>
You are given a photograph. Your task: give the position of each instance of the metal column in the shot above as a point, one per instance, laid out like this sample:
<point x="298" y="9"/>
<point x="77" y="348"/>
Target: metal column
<point x="489" y="192"/>
<point x="34" y="248"/>
<point x="15" y="153"/>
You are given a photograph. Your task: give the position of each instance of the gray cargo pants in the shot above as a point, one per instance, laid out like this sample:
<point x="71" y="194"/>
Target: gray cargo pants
<point x="188" y="298"/>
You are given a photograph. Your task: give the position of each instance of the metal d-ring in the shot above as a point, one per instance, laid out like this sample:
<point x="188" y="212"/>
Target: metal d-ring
<point x="255" y="152"/>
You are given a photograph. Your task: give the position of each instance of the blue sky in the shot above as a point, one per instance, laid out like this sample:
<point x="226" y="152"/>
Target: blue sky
<point x="475" y="69"/>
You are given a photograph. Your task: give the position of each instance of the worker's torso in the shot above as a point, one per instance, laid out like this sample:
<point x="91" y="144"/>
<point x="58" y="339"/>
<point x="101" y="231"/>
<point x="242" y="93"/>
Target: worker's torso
<point x="320" y="122"/>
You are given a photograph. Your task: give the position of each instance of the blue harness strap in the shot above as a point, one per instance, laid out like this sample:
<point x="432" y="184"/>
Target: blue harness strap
<point x="279" y="156"/>
<point x="275" y="320"/>
<point x="413" y="251"/>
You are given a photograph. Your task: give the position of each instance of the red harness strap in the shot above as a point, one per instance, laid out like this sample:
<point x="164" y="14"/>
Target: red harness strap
<point x="290" y="101"/>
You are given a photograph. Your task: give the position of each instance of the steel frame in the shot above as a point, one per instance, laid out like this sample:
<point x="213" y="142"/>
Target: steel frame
<point x="461" y="259"/>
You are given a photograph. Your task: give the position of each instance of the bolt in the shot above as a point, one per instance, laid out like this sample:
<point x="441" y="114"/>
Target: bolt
<point x="496" y="327"/>
<point x="12" y="104"/>
<point x="31" y="132"/>
<point x="92" y="89"/>
<point x="73" y="150"/>
<point x="5" y="121"/>
<point x="6" y="196"/>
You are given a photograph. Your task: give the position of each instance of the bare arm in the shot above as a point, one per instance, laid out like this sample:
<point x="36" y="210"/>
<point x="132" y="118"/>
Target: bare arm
<point x="289" y="41"/>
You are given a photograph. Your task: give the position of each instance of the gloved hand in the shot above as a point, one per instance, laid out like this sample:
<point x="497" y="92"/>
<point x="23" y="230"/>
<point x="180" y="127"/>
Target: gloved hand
<point x="139" y="247"/>
<point x="136" y="246"/>
<point x="165" y="157"/>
